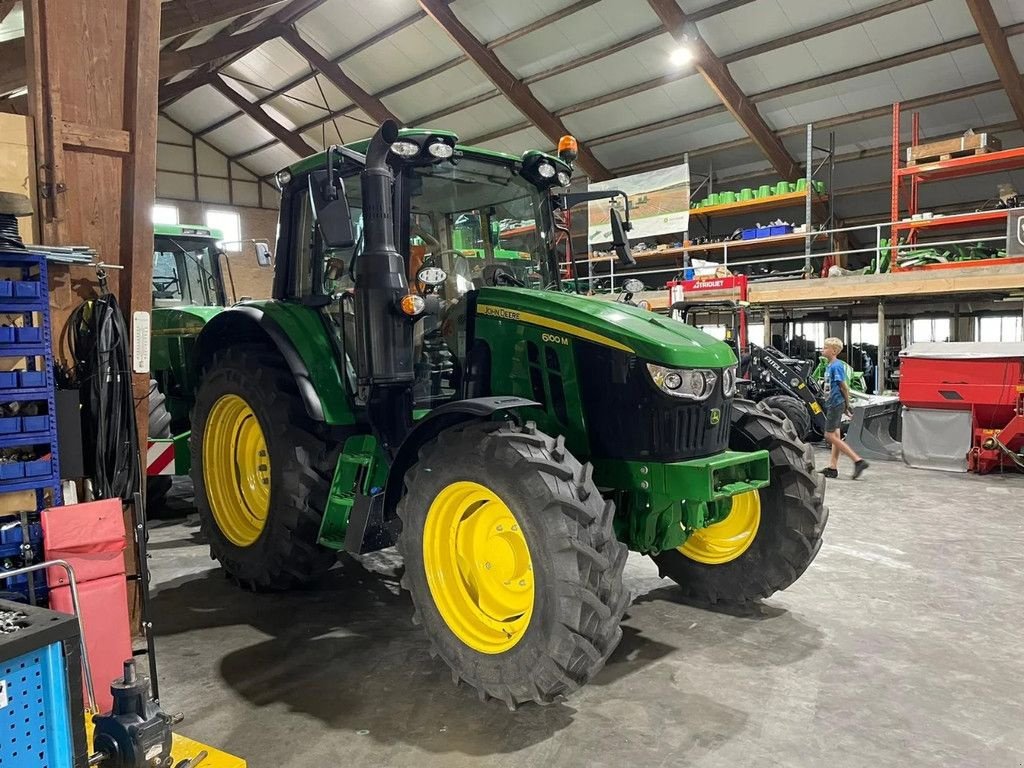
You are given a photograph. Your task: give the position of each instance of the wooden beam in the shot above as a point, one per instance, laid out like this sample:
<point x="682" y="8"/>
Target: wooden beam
<point x="91" y="137"/>
<point x="180" y="16"/>
<point x="513" y="89"/>
<point x="999" y="51"/>
<point x="372" y="106"/>
<point x="290" y="139"/>
<point x="718" y="77"/>
<point x="173" y="91"/>
<point x="173" y="62"/>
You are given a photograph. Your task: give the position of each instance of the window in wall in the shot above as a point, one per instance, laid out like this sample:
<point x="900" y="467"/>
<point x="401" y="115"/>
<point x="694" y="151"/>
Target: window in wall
<point x="755" y="333"/>
<point x="864" y="333"/>
<point x="165" y="214"/>
<point x="1000" y="328"/>
<point x="230" y="225"/>
<point x="930" y="329"/>
<point x="814" y="332"/>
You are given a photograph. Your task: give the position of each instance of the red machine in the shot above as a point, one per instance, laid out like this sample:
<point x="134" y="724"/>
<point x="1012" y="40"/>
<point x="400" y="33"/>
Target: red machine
<point x="985" y="379"/>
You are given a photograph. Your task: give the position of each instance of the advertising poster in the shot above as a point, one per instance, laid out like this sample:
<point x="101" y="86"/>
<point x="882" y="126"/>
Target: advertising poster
<point x="659" y="204"/>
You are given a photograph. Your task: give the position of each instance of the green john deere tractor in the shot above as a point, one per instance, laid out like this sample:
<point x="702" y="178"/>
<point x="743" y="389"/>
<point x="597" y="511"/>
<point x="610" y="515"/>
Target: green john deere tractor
<point x="191" y="283"/>
<point x="513" y="441"/>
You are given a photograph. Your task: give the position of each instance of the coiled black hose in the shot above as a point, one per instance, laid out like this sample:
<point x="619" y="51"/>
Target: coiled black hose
<point x="99" y="344"/>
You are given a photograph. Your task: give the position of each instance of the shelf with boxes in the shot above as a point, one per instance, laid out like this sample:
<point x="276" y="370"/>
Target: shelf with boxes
<point x="28" y="429"/>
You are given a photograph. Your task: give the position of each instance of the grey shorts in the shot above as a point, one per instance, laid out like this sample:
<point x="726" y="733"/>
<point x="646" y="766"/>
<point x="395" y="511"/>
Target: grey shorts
<point x="833" y="417"/>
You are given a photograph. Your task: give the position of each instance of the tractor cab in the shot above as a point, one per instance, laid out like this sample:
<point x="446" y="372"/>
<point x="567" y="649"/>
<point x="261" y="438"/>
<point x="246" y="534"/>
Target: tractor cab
<point x="186" y="266"/>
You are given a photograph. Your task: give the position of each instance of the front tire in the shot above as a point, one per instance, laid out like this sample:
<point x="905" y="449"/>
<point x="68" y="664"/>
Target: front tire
<point x="795" y="410"/>
<point x="511" y="561"/>
<point x="157" y="486"/>
<point x="261" y="473"/>
<point x="790" y="519"/>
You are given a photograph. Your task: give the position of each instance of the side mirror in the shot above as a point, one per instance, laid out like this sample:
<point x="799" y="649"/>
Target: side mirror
<point x="263" y="257"/>
<point x="633" y="286"/>
<point x="619" y="239"/>
<point x="330" y="209"/>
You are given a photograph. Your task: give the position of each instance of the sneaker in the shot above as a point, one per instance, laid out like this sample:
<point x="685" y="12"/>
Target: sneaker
<point x="859" y="467"/>
<point x="830" y="473"/>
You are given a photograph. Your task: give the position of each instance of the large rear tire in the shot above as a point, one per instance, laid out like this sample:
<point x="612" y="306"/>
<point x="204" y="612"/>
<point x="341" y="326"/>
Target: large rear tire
<point x="796" y="411"/>
<point x="260" y="471"/>
<point x="511" y="561"/>
<point x="784" y="522"/>
<point x="157" y="486"/>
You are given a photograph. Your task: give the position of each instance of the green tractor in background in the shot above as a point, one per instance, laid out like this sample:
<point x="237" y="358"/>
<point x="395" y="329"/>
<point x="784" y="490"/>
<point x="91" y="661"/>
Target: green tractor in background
<point x="408" y="384"/>
<point x="192" y="282"/>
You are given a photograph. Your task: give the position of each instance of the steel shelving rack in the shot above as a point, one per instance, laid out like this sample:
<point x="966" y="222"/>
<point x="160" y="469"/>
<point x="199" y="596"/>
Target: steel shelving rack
<point x="28" y="296"/>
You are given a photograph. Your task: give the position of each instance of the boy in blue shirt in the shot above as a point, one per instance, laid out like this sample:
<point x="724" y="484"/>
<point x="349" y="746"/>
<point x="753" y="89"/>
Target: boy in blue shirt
<point x="838" y="404"/>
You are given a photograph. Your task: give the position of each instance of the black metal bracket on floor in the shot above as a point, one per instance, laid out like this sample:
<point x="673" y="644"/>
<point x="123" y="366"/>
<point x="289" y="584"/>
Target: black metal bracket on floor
<point x="367" y="530"/>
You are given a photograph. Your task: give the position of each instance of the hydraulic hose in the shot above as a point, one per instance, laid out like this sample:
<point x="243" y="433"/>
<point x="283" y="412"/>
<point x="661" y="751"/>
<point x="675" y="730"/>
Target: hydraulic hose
<point x="99" y="345"/>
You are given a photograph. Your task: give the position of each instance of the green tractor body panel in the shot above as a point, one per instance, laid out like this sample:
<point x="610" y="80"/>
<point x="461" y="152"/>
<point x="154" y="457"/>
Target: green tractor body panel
<point x="172" y="346"/>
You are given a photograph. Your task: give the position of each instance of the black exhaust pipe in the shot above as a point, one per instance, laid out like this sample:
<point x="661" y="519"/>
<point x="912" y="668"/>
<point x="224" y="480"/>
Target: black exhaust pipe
<point x="384" y="338"/>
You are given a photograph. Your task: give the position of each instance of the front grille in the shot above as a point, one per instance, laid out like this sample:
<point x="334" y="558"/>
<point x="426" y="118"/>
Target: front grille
<point x="629" y="418"/>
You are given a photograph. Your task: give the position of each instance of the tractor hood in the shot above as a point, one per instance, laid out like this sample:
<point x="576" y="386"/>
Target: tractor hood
<point x="651" y="337"/>
<point x="182" y="321"/>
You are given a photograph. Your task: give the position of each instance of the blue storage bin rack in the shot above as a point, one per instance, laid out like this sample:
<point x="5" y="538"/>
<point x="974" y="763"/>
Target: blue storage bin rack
<point x="10" y="425"/>
<point x="764" y="232"/>
<point x="783" y="229"/>
<point x="28" y="297"/>
<point x="12" y="537"/>
<point x="6" y="334"/>
<point x="749" y="234"/>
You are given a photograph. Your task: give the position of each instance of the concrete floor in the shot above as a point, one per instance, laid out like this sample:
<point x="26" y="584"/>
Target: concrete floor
<point x="903" y="645"/>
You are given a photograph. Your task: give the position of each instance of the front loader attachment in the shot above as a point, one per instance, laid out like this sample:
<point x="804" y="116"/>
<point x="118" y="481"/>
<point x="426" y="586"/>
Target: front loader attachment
<point x="875" y="429"/>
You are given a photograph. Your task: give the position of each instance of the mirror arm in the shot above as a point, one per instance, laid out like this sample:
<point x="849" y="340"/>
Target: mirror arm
<point x="571" y="199"/>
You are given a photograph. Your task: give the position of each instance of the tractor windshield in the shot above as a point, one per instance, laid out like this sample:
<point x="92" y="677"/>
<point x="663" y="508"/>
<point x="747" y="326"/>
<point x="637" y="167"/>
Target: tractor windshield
<point x="184" y="272"/>
<point x="472" y="216"/>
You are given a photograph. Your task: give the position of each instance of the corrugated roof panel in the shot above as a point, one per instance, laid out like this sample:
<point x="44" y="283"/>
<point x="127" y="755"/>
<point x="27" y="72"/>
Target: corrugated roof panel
<point x="519" y="142"/>
<point x="687" y="95"/>
<point x="346" y="129"/>
<point x="488" y="21"/>
<point x="671" y="141"/>
<point x="205" y="34"/>
<point x="433" y="94"/>
<point x="270" y="160"/>
<point x="14" y="25"/>
<point x="200" y="108"/>
<point x="339" y="25"/>
<point x="868" y="91"/>
<point x="272" y="65"/>
<point x="299" y="113"/>
<point x="593" y="29"/>
<point x="890" y="37"/>
<point x="932" y="75"/>
<point x="1017" y="48"/>
<point x="241" y="134"/>
<point x="750" y="24"/>
<point x="974" y="64"/>
<point x="841" y="50"/>
<point x="1008" y="11"/>
<point x="417" y="48"/>
<point x="952" y="18"/>
<point x="774" y="69"/>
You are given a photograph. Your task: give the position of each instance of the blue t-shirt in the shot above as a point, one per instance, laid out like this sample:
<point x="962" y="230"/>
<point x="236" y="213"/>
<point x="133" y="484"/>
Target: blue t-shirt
<point x="835" y="373"/>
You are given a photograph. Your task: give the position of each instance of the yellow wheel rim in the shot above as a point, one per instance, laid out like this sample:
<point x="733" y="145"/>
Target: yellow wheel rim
<point x="236" y="470"/>
<point x="728" y="539"/>
<point x="478" y="567"/>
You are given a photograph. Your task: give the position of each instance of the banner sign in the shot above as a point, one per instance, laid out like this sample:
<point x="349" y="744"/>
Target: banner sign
<point x="659" y="204"/>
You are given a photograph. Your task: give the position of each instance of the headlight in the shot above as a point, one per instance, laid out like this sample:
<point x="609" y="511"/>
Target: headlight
<point x="440" y="150"/>
<point x="729" y="381"/>
<point x="564" y="179"/>
<point x="405" y="148"/>
<point x="545" y="170"/>
<point x="283" y="178"/>
<point x="688" y="383"/>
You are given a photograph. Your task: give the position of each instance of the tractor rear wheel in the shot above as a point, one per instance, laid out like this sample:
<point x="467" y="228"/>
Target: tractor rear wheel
<point x="795" y="410"/>
<point x="771" y="535"/>
<point x="261" y="473"/>
<point x="157" y="486"/>
<point x="511" y="561"/>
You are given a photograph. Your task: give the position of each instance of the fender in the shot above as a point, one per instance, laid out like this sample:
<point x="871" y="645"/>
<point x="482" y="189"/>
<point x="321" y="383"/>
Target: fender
<point x="249" y="322"/>
<point x="433" y="424"/>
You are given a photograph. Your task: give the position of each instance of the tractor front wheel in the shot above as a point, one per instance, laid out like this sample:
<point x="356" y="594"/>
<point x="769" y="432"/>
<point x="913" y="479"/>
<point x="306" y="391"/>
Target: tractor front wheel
<point x="511" y="561"/>
<point x="770" y="536"/>
<point x="157" y="486"/>
<point x="789" y="407"/>
<point x="260" y="472"/>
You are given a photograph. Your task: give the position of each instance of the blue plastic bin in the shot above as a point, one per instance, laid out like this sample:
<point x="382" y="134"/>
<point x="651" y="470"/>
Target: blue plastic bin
<point x="32" y="378"/>
<point x="10" y="425"/>
<point x="6" y="334"/>
<point x="26" y="289"/>
<point x="785" y="229"/>
<point x="8" y="379"/>
<point x="764" y="232"/>
<point x="749" y="234"/>
<point x="38" y="468"/>
<point x="29" y="335"/>
<point x="12" y="470"/>
<point x="35" y="423"/>
<point x="6" y="289"/>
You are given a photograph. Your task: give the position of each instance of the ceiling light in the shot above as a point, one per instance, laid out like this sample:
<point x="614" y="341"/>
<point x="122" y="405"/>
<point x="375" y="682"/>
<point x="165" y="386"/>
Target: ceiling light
<point x="682" y="55"/>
